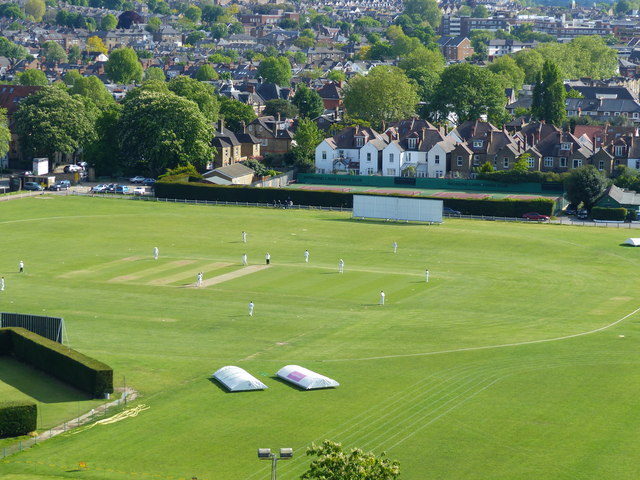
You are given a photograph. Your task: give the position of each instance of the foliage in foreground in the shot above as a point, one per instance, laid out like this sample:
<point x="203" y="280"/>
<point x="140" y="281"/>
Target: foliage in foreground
<point x="333" y="463"/>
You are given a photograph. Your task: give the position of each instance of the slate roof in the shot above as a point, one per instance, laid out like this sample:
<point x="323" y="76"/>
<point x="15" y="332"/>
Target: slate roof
<point x="623" y="197"/>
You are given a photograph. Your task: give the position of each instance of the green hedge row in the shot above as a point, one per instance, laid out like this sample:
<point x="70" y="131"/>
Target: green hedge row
<point x="500" y="208"/>
<point x="85" y="373"/>
<point x="468" y="206"/>
<point x="614" y="214"/>
<point x="17" y="418"/>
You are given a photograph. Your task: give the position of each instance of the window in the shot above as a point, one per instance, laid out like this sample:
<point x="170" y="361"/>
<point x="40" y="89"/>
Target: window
<point x="565" y="146"/>
<point x="359" y="141"/>
<point x="548" y="161"/>
<point x="437" y="160"/>
<point x="576" y="162"/>
<point x="476" y="160"/>
<point x="532" y="162"/>
<point x="391" y="172"/>
<point x="324" y="155"/>
<point x="636" y="115"/>
<point x="637" y="164"/>
<point x="264" y="142"/>
<point x="477" y="144"/>
<point x="619" y="150"/>
<point x="341" y="152"/>
<point x="616" y="114"/>
<point x="601" y="165"/>
<point x="391" y="158"/>
<point x="369" y="171"/>
<point x="563" y="162"/>
<point x="369" y="157"/>
<point x="439" y="174"/>
<point x="505" y="162"/>
<point x="412" y="142"/>
<point x="606" y="114"/>
<point x="459" y="161"/>
<point x="408" y="156"/>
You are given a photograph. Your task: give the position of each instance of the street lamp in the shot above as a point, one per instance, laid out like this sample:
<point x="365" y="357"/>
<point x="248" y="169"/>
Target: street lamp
<point x="266" y="454"/>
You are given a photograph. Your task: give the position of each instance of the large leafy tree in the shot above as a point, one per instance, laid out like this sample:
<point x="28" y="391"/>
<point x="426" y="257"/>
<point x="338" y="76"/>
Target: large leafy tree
<point x="333" y="463"/>
<point x="158" y="131"/>
<point x="92" y="88"/>
<point x="585" y="185"/>
<point x="308" y="101"/>
<point x="108" y="22"/>
<point x="33" y="77"/>
<point x="103" y="152"/>
<point x="123" y="66"/>
<point x="531" y="62"/>
<point x="53" y="52"/>
<point x="235" y="113"/>
<point x="279" y="106"/>
<point x="206" y="73"/>
<point x="427" y="10"/>
<point x="275" y="70"/>
<point x="11" y="51"/>
<point x="469" y="92"/>
<point x="154" y="73"/>
<point x="51" y="121"/>
<point x="506" y="67"/>
<point x="35" y="9"/>
<point x="202" y="94"/>
<point x="384" y="95"/>
<point x="549" y="95"/>
<point x="307" y="138"/>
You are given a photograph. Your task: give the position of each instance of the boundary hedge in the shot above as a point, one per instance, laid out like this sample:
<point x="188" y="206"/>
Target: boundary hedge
<point x="85" y="373"/>
<point x="179" y="188"/>
<point x="17" y="418"/>
<point x="614" y="214"/>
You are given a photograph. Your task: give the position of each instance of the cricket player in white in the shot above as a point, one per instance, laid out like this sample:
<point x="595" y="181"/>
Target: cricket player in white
<point x="244" y="259"/>
<point x="306" y="256"/>
<point x="199" y="283"/>
<point x="156" y="253"/>
<point x="251" y="309"/>
<point x="341" y="266"/>
<point x="244" y="237"/>
<point x="21" y="266"/>
<point x="426" y="275"/>
<point x="395" y="247"/>
<point x="381" y="297"/>
<point x="2" y="284"/>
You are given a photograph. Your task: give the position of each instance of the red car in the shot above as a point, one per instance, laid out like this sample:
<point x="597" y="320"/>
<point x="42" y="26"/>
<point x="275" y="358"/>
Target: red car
<point x="535" y="216"/>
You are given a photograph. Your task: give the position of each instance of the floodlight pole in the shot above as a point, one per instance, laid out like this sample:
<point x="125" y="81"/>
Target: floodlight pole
<point x="266" y="454"/>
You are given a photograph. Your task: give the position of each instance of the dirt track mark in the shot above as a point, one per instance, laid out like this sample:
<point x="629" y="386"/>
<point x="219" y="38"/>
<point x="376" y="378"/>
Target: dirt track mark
<point x="97" y="268"/>
<point x="231" y="275"/>
<point x="147" y="271"/>
<point x="186" y="275"/>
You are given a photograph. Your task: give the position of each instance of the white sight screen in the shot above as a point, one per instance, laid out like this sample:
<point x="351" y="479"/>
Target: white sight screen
<point x="395" y="208"/>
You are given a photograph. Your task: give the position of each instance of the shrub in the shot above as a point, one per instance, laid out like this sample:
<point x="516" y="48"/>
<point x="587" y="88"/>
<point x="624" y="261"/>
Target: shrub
<point x="17" y="418"/>
<point x="614" y="214"/>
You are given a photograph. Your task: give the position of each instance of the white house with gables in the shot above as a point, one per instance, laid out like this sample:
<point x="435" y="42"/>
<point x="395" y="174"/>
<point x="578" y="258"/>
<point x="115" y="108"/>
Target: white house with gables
<point x="354" y="149"/>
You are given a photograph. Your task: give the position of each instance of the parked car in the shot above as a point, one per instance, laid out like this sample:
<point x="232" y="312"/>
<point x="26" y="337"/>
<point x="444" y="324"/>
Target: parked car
<point x="139" y="191"/>
<point x="571" y="209"/>
<point x="111" y="188"/>
<point x="149" y="182"/>
<point x="33" y="186"/>
<point x="100" y="188"/>
<point x="123" y="189"/>
<point x="137" y="179"/>
<point x="61" y="185"/>
<point x="72" y="168"/>
<point x="535" y="216"/>
<point x="450" y="212"/>
<point x="583" y="214"/>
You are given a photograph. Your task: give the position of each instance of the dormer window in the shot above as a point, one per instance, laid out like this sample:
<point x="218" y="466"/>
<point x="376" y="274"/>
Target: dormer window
<point x="359" y="141"/>
<point x="477" y="144"/>
<point x="565" y="146"/>
<point x="412" y="142"/>
<point x="619" y="150"/>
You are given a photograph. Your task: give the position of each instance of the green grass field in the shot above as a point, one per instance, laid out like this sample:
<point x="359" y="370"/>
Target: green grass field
<point x="509" y="364"/>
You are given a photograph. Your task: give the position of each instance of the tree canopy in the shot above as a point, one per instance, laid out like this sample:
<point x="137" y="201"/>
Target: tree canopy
<point x="279" y="106"/>
<point x="585" y="185"/>
<point x="469" y="92"/>
<point x="308" y="102"/>
<point x="12" y="51"/>
<point x="235" y="113"/>
<point x="154" y="73"/>
<point x="35" y="9"/>
<point x="427" y="10"/>
<point x="548" y="95"/>
<point x="123" y="66"/>
<point x="33" y="77"/>
<point x="162" y="130"/>
<point x="53" y="52"/>
<point x="333" y="463"/>
<point x="108" y="22"/>
<point x="384" y="95"/>
<point x="50" y="121"/>
<point x="206" y="73"/>
<point x="92" y="88"/>
<point x="275" y="70"/>
<point x="507" y="68"/>
<point x="5" y="133"/>
<point x="202" y="94"/>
